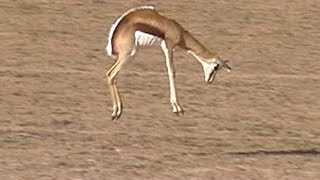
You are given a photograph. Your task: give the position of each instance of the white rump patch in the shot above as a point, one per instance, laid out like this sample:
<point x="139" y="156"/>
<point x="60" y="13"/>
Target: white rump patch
<point x="116" y="23"/>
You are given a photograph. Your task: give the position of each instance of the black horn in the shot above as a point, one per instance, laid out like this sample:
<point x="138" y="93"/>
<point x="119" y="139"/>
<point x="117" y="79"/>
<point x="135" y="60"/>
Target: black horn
<point x="224" y="64"/>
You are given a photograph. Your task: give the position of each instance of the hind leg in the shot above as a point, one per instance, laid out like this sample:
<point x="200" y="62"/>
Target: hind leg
<point x="125" y="45"/>
<point x="115" y="96"/>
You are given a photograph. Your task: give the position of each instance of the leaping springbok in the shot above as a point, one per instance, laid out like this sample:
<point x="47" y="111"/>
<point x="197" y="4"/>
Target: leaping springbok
<point x="144" y="26"/>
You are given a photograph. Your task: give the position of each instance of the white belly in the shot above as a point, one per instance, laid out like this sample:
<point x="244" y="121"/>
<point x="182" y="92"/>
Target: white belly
<point x="145" y="39"/>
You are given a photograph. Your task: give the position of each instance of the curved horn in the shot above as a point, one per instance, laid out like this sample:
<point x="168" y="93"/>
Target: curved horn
<point x="224" y="64"/>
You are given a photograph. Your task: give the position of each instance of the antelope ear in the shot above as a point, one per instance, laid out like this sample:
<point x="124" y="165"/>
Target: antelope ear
<point x="227" y="67"/>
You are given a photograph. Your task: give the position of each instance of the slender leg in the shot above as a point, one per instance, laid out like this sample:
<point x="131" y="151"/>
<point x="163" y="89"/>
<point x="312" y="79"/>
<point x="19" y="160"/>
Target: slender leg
<point x="111" y="89"/>
<point x="115" y="96"/>
<point x="168" y="53"/>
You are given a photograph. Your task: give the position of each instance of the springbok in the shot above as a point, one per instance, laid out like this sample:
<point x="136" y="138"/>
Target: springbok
<point x="144" y="26"/>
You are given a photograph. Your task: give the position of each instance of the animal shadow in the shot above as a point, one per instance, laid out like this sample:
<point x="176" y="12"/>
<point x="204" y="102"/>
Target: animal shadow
<point x="309" y="152"/>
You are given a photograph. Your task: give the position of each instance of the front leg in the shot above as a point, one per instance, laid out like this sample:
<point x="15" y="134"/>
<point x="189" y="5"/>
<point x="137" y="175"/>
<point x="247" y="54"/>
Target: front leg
<point x="168" y="53"/>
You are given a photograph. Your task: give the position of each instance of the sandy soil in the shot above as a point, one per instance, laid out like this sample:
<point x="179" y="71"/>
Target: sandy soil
<point x="259" y="122"/>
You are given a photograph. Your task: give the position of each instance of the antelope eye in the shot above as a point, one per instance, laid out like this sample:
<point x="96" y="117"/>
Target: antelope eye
<point x="216" y="67"/>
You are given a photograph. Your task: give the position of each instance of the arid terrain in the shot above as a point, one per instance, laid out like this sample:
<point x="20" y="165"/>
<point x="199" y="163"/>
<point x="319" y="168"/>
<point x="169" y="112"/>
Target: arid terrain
<point x="259" y="122"/>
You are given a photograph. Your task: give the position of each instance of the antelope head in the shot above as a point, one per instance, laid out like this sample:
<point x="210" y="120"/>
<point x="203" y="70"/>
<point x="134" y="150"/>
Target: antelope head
<point x="212" y="66"/>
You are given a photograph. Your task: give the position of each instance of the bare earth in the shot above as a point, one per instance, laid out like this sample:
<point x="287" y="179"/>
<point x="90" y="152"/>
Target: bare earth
<point x="261" y="121"/>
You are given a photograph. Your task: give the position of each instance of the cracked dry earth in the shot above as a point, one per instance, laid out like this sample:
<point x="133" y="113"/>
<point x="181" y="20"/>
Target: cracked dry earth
<point x="261" y="121"/>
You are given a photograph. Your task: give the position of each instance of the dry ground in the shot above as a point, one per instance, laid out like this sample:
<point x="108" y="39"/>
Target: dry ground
<point x="259" y="122"/>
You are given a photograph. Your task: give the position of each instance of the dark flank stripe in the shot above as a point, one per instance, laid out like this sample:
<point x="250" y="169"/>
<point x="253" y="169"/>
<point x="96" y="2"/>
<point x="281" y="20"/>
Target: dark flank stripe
<point x="150" y="30"/>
